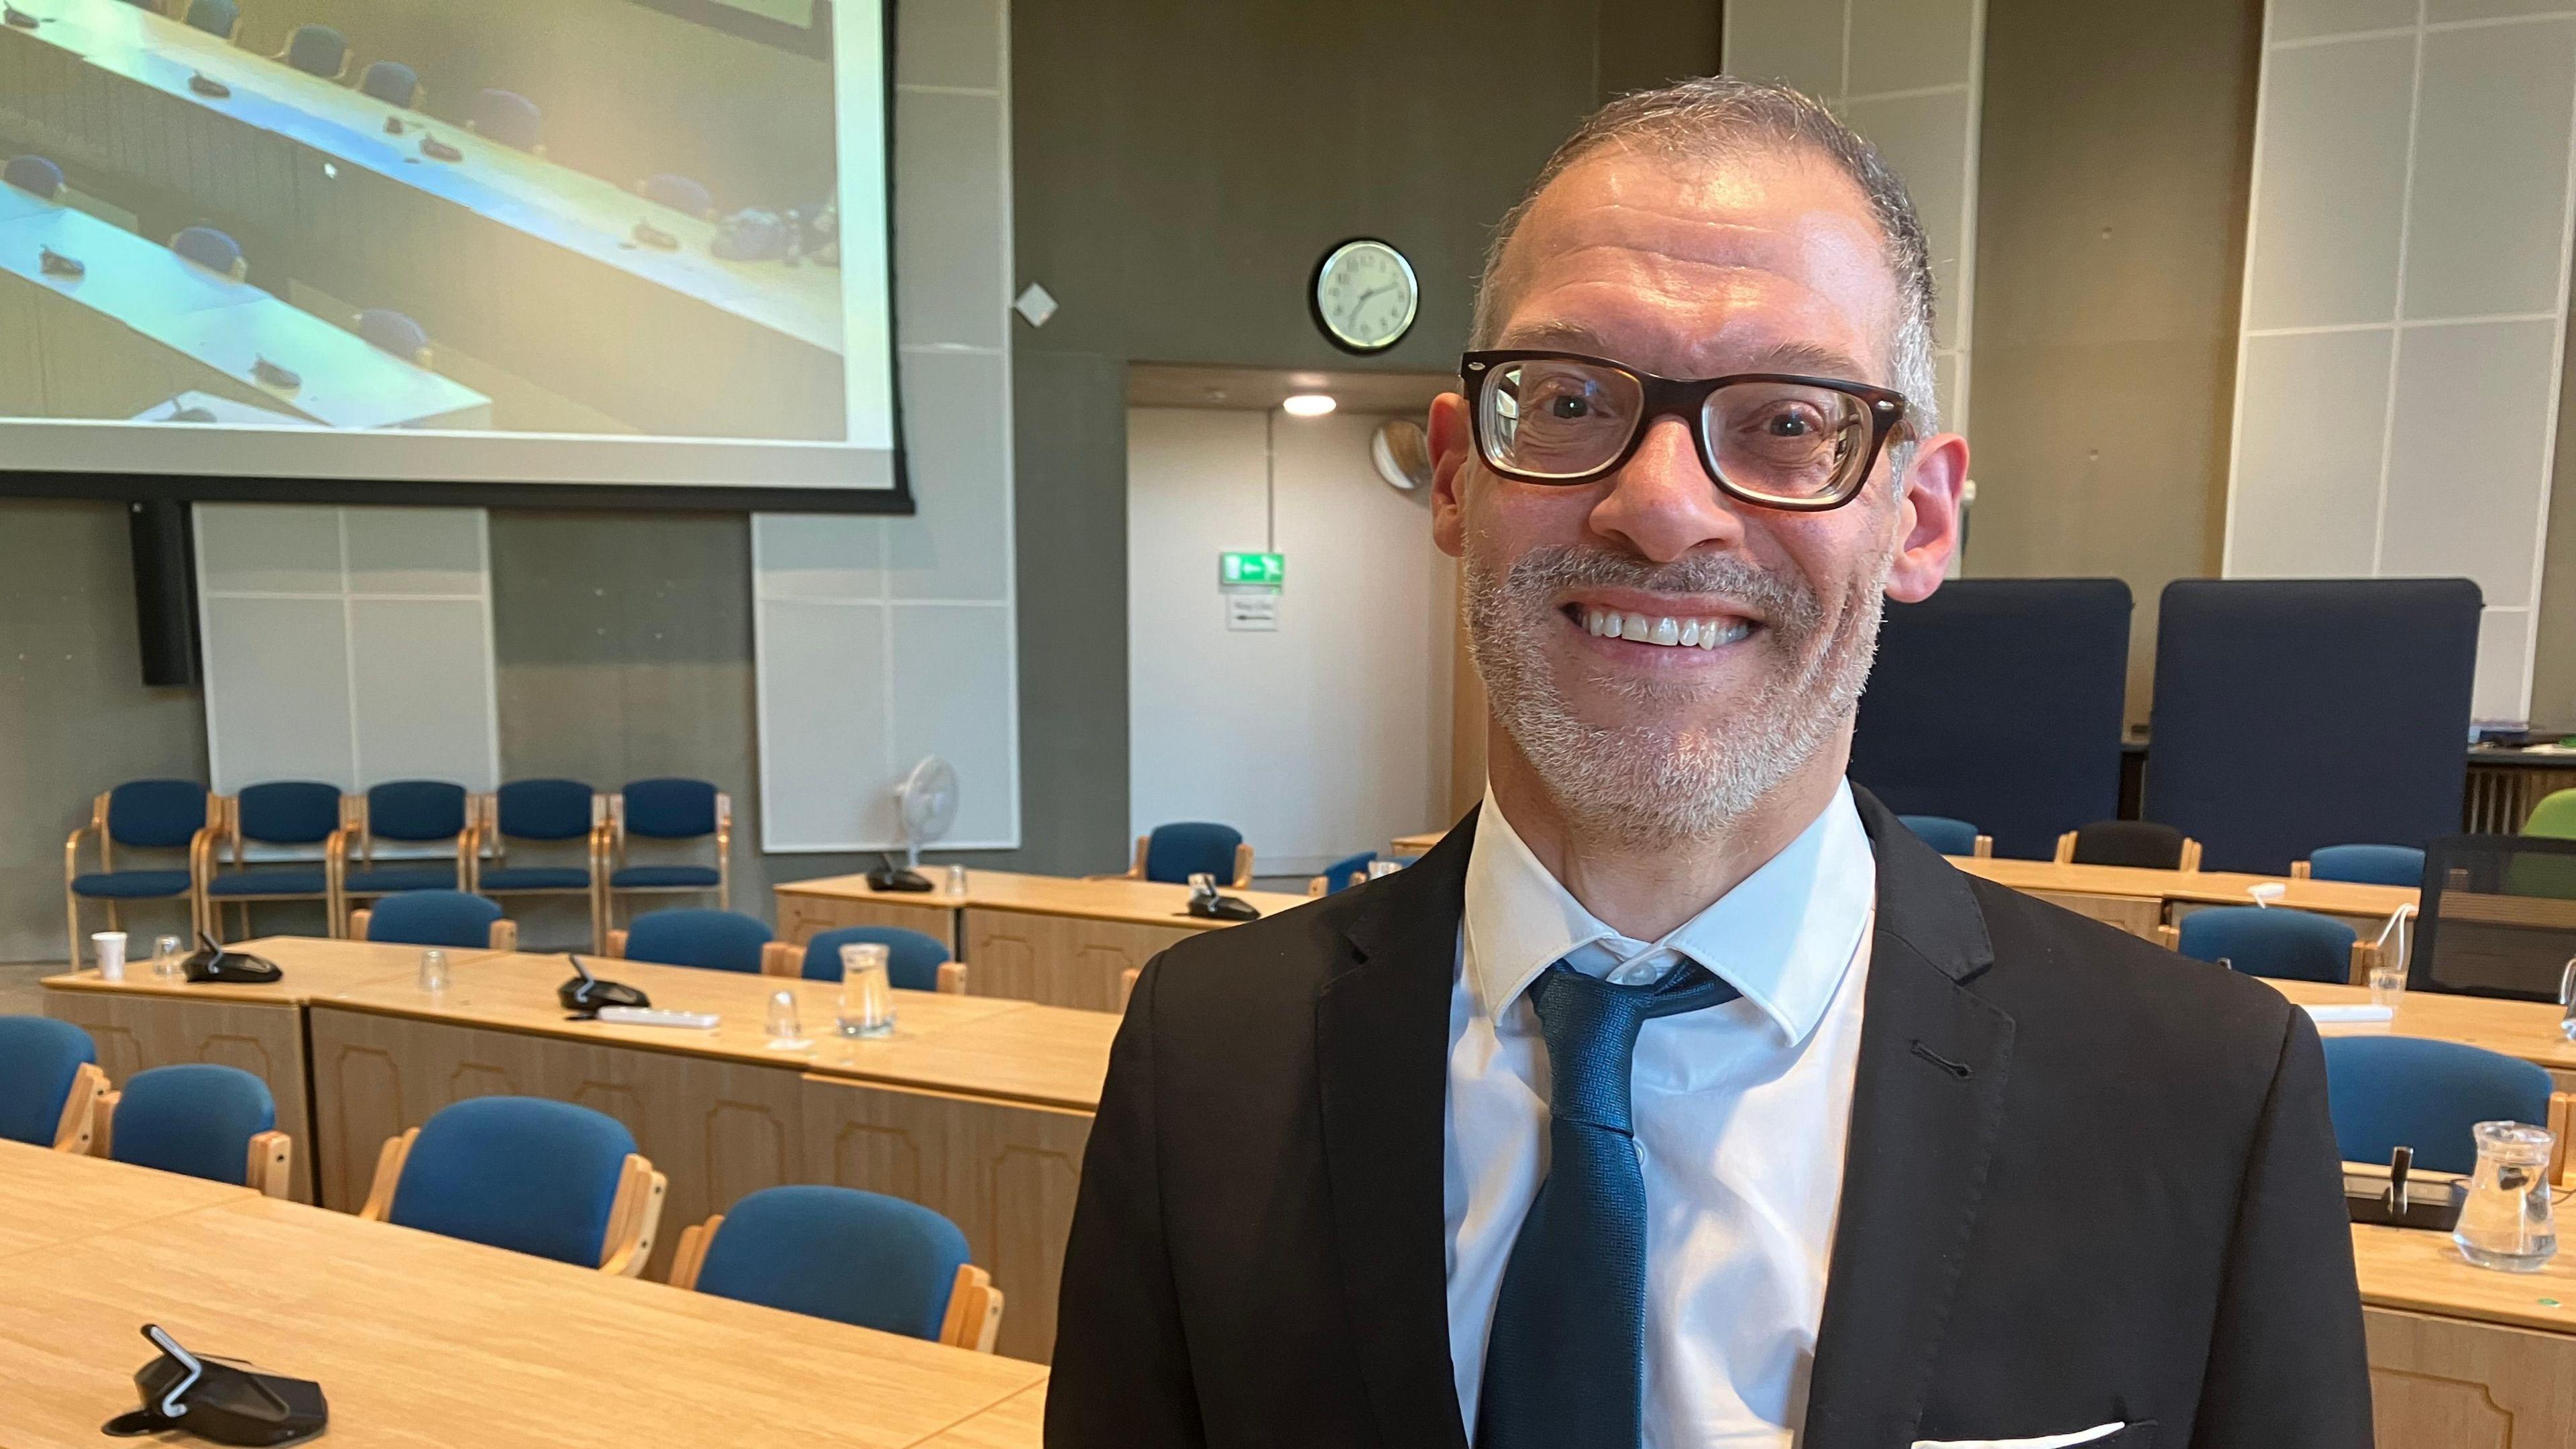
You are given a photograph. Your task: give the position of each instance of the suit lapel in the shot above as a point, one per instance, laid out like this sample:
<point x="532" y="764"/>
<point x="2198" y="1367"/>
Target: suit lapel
<point x="1382" y="1036"/>
<point x="1927" y="1102"/>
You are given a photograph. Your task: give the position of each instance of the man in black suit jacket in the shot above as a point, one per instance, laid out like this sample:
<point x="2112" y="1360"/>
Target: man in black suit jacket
<point x="2087" y="1192"/>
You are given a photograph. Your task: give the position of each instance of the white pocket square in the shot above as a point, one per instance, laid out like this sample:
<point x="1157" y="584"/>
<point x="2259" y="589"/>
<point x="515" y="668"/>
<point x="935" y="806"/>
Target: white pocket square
<point x="2052" y="1441"/>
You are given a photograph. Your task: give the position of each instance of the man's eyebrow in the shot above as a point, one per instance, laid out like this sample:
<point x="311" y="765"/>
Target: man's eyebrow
<point x="1813" y="359"/>
<point x="1572" y="336"/>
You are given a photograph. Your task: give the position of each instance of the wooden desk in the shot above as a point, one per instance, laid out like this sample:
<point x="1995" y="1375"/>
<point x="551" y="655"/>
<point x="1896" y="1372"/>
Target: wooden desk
<point x="2462" y="1357"/>
<point x="2525" y="1029"/>
<point x="977" y="1107"/>
<point x="1042" y="938"/>
<point x="422" y="1340"/>
<point x="50" y="1198"/>
<point x="148" y="1021"/>
<point x="500" y="253"/>
<point x="144" y="323"/>
<point x="2138" y="901"/>
<point x="1412" y="845"/>
<point x="1018" y="1422"/>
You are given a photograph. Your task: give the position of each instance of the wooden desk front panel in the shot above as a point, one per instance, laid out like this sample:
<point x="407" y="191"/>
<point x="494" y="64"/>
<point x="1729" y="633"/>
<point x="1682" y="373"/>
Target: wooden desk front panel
<point x="800" y="916"/>
<point x="135" y="1031"/>
<point x="2448" y="1383"/>
<point x="2139" y="916"/>
<point x="1058" y="960"/>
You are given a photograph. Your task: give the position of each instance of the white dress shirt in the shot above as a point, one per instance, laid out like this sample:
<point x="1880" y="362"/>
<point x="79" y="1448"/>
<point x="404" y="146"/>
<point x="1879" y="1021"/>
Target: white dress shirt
<point x="1741" y="1112"/>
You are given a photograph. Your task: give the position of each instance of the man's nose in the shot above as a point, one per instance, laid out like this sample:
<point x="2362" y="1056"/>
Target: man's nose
<point x="1663" y="504"/>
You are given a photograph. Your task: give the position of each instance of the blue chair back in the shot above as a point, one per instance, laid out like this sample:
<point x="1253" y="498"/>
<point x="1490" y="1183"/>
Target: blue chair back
<point x="416" y="810"/>
<point x="678" y="193"/>
<point x="34" y="173"/>
<point x="1176" y="852"/>
<point x="387" y="330"/>
<point x="2395" y="865"/>
<point x="1943" y="833"/>
<point x="543" y="809"/>
<point x="156" y="814"/>
<point x="2392" y="1091"/>
<point x="391" y="82"/>
<point x="670" y="809"/>
<point x="197" y="1118"/>
<point x="206" y="246"/>
<point x="838" y="1253"/>
<point x="433" y="918"/>
<point x="509" y="118"/>
<point x="215" y="17"/>
<point x="40" y="1059"/>
<point x="2281" y="944"/>
<point x="522" y="1173"/>
<point x="913" y="958"/>
<point x="318" y="50"/>
<point x="2143" y="843"/>
<point x="1346" y="872"/>
<point x="288" y="812"/>
<point x="691" y="936"/>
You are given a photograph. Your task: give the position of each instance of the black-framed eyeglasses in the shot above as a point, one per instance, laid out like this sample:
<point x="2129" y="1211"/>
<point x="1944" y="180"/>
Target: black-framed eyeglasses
<point x="1774" y="439"/>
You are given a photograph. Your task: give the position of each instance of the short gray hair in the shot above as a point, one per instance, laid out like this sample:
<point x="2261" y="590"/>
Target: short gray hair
<point x="1714" y="118"/>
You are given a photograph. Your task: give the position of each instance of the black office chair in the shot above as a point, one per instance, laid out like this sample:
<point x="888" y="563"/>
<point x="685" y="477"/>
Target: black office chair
<point x="2141" y="843"/>
<point x="678" y="193"/>
<point x="34" y="174"/>
<point x="393" y="83"/>
<point x="218" y="18"/>
<point x="2498" y="916"/>
<point x="390" y="331"/>
<point x="212" y="249"/>
<point x="511" y="119"/>
<point x="317" y="50"/>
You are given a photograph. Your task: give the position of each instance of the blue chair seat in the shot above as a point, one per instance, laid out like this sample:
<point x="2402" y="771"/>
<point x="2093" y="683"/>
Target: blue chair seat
<point x="646" y="877"/>
<point x="131" y="885"/>
<point x="295" y="881"/>
<point x="535" y="878"/>
<point x="387" y="879"/>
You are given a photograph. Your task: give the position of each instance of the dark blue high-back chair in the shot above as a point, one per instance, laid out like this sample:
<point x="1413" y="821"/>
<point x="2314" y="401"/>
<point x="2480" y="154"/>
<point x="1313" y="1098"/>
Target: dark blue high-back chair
<point x="221" y="18"/>
<point x="317" y="50"/>
<point x="210" y="248"/>
<point x="203" y="1120"/>
<point x="547" y="814"/>
<point x="49" y="1083"/>
<point x="853" y="1257"/>
<point x="281" y="814"/>
<point x="511" y="119"/>
<point x="915" y="960"/>
<point x="387" y="330"/>
<point x="34" y="174"/>
<point x="1175" y="852"/>
<point x="407" y="812"/>
<point x="2142" y="844"/>
<point x="2391" y="1091"/>
<point x="139" y="815"/>
<point x="2284" y="945"/>
<point x="527" y="1174"/>
<point x="1949" y="836"/>
<point x="670" y="811"/>
<point x="2392" y="865"/>
<point x="678" y="193"/>
<point x="393" y="83"/>
<point x="452" y="919"/>
<point x="713" y="940"/>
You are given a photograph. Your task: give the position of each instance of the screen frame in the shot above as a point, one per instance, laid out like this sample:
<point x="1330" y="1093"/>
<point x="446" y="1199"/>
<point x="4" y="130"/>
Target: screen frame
<point x="895" y="501"/>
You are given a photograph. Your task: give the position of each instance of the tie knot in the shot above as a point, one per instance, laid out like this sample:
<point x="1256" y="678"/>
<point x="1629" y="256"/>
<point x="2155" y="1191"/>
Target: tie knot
<point x="1591" y="1029"/>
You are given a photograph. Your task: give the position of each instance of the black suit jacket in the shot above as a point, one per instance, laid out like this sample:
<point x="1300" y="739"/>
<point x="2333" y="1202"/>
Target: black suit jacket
<point x="2086" y="1181"/>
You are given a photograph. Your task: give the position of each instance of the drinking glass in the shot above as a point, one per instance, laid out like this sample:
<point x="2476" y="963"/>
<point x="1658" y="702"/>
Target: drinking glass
<point x="957" y="880"/>
<point x="433" y="971"/>
<point x="786" y="1027"/>
<point x="169" y="953"/>
<point x="867" y="995"/>
<point x="2506" y="1222"/>
<point x="2388" y="985"/>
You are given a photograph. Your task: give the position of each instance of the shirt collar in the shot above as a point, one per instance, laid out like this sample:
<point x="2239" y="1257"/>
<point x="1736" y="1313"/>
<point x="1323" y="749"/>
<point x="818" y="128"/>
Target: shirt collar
<point x="1783" y="937"/>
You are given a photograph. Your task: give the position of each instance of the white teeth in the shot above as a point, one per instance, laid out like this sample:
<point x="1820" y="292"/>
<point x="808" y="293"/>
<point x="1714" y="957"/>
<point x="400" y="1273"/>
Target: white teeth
<point x="1637" y="627"/>
<point x="1669" y="632"/>
<point x="1690" y="634"/>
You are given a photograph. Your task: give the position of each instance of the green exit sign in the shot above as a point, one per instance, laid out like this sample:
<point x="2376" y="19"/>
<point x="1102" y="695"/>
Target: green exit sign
<point x="1251" y="570"/>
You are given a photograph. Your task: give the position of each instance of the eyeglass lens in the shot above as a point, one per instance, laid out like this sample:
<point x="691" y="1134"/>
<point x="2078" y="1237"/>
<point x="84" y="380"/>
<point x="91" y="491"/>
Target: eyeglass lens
<point x="1548" y="419"/>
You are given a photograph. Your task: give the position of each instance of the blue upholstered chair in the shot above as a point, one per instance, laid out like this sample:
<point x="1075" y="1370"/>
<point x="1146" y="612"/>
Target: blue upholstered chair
<point x="50" y="1084"/>
<point x="453" y="919"/>
<point x="2140" y="843"/>
<point x="317" y="50"/>
<point x="669" y="812"/>
<point x="139" y="815"/>
<point x="218" y="18"/>
<point x="915" y="961"/>
<point x="2394" y="865"/>
<point x="854" y="1257"/>
<point x="523" y="1173"/>
<point x="210" y="248"/>
<point x="547" y="815"/>
<point x="2284" y="945"/>
<point x="406" y="812"/>
<point x="1950" y="836"/>
<point x="1174" y="853"/>
<point x="279" y="814"/>
<point x="393" y="83"/>
<point x="2392" y="1091"/>
<point x="387" y="330"/>
<point x="202" y="1120"/>
<point x="36" y="175"/>
<point x="1342" y="874"/>
<point x="511" y="119"/>
<point x="678" y="193"/>
<point x="713" y="940"/>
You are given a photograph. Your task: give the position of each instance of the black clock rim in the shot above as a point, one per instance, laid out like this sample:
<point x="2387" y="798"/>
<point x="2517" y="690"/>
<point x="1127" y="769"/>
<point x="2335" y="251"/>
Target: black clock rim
<point x="1315" y="301"/>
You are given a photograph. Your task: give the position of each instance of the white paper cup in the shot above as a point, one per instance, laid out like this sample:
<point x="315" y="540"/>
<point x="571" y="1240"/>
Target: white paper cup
<point x="110" y="948"/>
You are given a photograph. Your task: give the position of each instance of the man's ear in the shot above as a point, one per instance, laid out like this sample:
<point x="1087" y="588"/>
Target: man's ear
<point x="1928" y="514"/>
<point x="1452" y="448"/>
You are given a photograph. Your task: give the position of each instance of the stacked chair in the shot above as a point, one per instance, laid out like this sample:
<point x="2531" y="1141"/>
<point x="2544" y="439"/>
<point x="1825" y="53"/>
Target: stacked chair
<point x="159" y="816"/>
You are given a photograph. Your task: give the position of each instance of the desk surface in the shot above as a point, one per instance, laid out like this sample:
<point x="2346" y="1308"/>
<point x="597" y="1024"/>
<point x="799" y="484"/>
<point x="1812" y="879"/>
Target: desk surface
<point x="2342" y="898"/>
<point x="50" y="1198"/>
<point x="2421" y="1272"/>
<point x="421" y="1340"/>
<point x="570" y="209"/>
<point x="2525" y="1029"/>
<point x="1137" y="902"/>
<point x="315" y="968"/>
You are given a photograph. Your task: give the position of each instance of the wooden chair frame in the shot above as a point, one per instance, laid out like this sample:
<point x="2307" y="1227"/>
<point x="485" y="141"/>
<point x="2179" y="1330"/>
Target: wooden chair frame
<point x="1242" y="866"/>
<point x="483" y="820"/>
<point x="270" y="1155"/>
<point x="353" y="834"/>
<point x="77" y="1128"/>
<point x="505" y="932"/>
<point x="973" y="1320"/>
<point x="609" y="854"/>
<point x="2065" y="854"/>
<point x="1127" y="986"/>
<point x="204" y="866"/>
<point x="199" y="845"/>
<point x="634" y="1214"/>
<point x="787" y="958"/>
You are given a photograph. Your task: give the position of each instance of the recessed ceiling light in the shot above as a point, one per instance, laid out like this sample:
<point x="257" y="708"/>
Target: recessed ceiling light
<point x="1307" y="404"/>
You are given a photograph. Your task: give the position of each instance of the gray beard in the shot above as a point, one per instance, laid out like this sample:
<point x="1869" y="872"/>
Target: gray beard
<point x="1653" y="785"/>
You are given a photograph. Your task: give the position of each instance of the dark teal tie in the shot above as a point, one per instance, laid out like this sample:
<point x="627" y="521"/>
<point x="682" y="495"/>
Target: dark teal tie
<point x="1565" y="1365"/>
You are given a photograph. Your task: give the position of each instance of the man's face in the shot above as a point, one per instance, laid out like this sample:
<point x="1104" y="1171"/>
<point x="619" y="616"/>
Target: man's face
<point x="1764" y="263"/>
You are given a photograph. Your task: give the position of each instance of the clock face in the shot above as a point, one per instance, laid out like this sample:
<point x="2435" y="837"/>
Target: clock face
<point x="1365" y="296"/>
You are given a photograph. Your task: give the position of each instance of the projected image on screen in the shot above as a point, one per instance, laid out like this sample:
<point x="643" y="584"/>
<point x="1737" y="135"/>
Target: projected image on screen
<point x="581" y="241"/>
